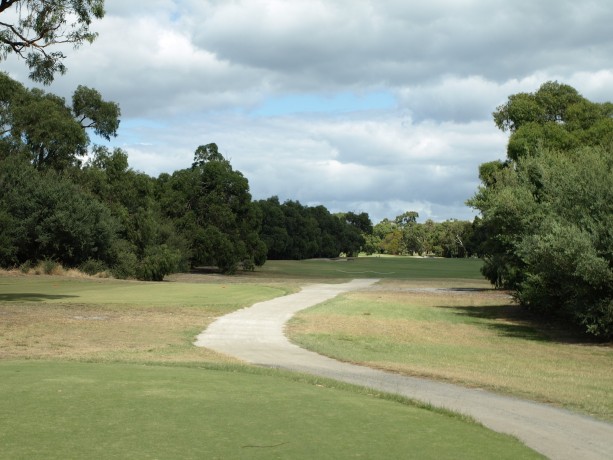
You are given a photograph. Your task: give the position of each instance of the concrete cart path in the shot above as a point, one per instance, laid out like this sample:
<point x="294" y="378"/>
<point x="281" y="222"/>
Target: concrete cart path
<point x="255" y="335"/>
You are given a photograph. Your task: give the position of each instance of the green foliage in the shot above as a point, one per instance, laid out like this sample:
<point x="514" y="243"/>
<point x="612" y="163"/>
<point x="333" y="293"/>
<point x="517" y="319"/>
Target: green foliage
<point x="210" y="206"/>
<point x="158" y="262"/>
<point x="37" y="26"/>
<point x="92" y="112"/>
<point x="47" y="216"/>
<point x="41" y="125"/>
<point x="294" y="231"/>
<point x="124" y="260"/>
<point x="93" y="267"/>
<point x="547" y="212"/>
<point x="556" y="117"/>
<point x="49" y="266"/>
<point x="46" y="127"/>
<point x="405" y="236"/>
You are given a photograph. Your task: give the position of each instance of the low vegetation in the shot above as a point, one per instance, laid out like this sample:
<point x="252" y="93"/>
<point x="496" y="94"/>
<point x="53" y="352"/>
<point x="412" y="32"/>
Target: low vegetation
<point x="466" y="333"/>
<point x="105" y="368"/>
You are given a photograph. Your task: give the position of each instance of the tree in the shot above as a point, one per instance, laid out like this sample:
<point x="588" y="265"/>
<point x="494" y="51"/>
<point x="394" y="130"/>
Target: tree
<point x="92" y="112"/>
<point x="47" y="216"/>
<point x="547" y="210"/>
<point x="274" y="228"/>
<point x="42" y="126"/>
<point x="556" y="116"/>
<point x="32" y="29"/>
<point x="146" y="244"/>
<point x="210" y="206"/>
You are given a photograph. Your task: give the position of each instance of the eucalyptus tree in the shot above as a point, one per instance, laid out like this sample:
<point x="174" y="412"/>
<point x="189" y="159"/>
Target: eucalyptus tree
<point x="37" y="30"/>
<point x="42" y="125"/>
<point x="211" y="208"/>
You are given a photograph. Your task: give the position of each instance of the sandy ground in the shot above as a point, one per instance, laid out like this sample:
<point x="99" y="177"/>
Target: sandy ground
<point x="255" y="335"/>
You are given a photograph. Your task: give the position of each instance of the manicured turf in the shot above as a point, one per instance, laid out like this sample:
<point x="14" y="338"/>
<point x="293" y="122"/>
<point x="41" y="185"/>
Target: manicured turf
<point x="221" y="297"/>
<point x="414" y="268"/>
<point x="79" y="410"/>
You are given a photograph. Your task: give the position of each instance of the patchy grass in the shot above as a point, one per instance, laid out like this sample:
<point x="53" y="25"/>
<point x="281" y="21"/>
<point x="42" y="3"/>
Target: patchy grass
<point x="472" y="337"/>
<point x="86" y="319"/>
<point x="106" y="369"/>
<point x="81" y="410"/>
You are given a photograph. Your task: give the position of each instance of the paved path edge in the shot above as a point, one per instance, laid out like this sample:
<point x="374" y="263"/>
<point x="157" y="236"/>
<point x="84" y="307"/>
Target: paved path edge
<point x="255" y="335"/>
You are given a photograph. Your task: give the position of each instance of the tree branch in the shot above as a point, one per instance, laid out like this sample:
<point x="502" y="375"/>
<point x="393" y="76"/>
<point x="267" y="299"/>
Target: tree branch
<point x="6" y="4"/>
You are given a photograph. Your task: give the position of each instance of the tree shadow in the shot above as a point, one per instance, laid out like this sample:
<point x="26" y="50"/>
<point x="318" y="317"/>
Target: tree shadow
<point x="516" y="322"/>
<point x="32" y="297"/>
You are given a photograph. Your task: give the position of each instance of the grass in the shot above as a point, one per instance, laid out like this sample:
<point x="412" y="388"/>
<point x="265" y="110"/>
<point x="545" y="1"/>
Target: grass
<point x="414" y="268"/>
<point x="65" y="318"/>
<point x="83" y="410"/>
<point x="105" y="368"/>
<point x="475" y="338"/>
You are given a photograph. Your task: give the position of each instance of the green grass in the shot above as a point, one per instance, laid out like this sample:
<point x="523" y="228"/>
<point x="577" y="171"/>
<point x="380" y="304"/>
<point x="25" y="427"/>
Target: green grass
<point x="80" y="410"/>
<point x="402" y="268"/>
<point x="221" y="297"/>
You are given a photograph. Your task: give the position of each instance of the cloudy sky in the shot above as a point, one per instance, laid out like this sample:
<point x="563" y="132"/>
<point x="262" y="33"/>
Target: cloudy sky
<point x="377" y="106"/>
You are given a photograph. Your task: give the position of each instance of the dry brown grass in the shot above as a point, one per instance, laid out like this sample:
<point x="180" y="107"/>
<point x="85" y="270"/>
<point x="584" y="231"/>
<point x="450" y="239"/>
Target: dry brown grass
<point x="100" y="333"/>
<point x="476" y="338"/>
<point x="57" y="270"/>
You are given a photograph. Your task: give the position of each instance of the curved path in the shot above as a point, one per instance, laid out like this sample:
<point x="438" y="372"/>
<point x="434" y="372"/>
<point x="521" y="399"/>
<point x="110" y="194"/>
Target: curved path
<point x="255" y="335"/>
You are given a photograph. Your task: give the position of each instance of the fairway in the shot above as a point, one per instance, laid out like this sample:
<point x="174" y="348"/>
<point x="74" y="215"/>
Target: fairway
<point x="384" y="267"/>
<point x="107" y="369"/>
<point x="75" y="410"/>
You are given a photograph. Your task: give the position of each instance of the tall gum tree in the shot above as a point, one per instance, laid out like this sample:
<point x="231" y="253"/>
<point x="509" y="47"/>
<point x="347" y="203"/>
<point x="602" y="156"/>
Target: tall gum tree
<point x="35" y="30"/>
<point x="42" y="126"/>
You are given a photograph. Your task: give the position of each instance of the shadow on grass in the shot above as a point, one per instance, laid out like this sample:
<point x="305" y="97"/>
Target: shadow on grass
<point x="515" y="322"/>
<point x="32" y="297"/>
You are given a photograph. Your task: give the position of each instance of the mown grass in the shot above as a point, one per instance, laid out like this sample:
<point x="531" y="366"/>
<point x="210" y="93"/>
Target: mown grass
<point x="475" y="338"/>
<point x="80" y="410"/>
<point x="106" y="369"/>
<point x="414" y="268"/>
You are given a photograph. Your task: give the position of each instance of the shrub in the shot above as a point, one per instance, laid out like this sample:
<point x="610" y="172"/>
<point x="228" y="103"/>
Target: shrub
<point x="93" y="267"/>
<point x="51" y="267"/>
<point x="26" y="267"/>
<point x="158" y="262"/>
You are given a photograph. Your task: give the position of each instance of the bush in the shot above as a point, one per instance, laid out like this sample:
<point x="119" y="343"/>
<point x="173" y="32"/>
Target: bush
<point x="93" y="267"/>
<point x="125" y="262"/>
<point x="26" y="267"/>
<point x="51" y="267"/>
<point x="158" y="262"/>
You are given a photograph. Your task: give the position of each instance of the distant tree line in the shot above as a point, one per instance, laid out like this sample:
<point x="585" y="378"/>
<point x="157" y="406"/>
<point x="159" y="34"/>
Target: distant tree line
<point x="291" y="230"/>
<point x="405" y="236"/>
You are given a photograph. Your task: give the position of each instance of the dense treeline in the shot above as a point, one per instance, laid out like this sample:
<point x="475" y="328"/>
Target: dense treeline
<point x="100" y="214"/>
<point x="291" y="230"/>
<point x="64" y="201"/>
<point x="547" y="211"/>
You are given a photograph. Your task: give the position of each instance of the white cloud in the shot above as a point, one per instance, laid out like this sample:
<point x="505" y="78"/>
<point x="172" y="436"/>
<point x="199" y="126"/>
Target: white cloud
<point x="187" y="72"/>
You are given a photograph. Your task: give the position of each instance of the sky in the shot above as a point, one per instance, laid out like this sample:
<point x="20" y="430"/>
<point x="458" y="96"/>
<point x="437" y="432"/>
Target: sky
<point x="366" y="106"/>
